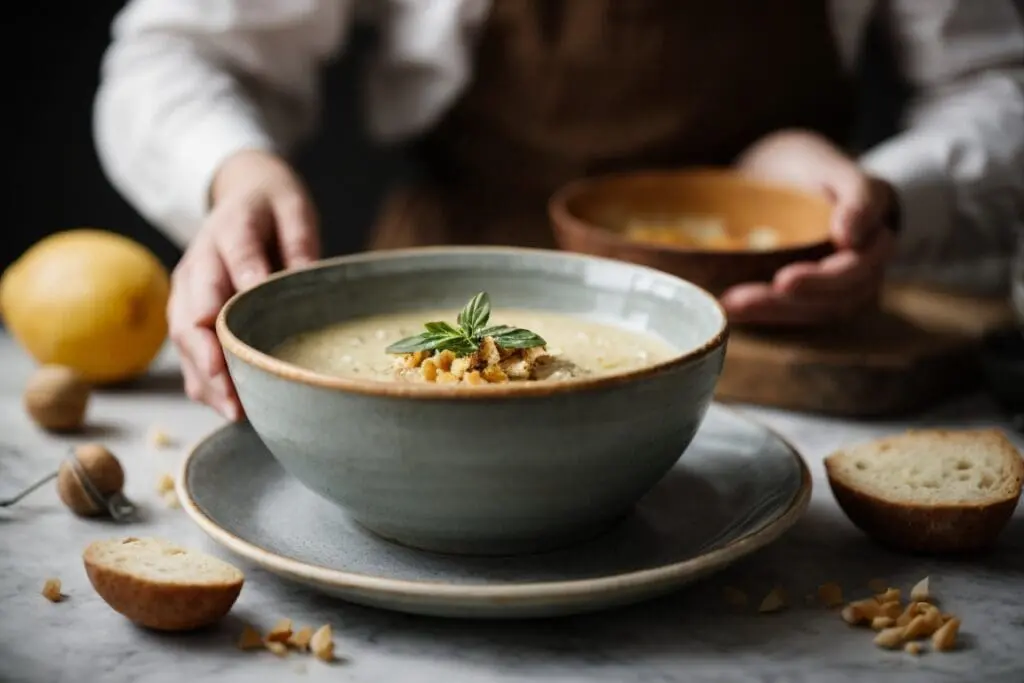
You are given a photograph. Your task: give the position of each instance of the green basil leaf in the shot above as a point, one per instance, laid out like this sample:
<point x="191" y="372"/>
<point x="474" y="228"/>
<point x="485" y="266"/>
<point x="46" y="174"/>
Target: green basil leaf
<point x="476" y="314"/>
<point x="460" y="346"/>
<point x="442" y="328"/>
<point x="516" y="338"/>
<point x="420" y="342"/>
<point x="494" y="331"/>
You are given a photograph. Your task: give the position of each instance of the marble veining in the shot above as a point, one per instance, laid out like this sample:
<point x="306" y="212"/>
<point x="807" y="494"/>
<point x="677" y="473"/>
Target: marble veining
<point x="691" y="636"/>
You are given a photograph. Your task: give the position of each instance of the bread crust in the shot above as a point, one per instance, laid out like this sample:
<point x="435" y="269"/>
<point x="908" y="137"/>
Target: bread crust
<point x="954" y="528"/>
<point x="171" y="606"/>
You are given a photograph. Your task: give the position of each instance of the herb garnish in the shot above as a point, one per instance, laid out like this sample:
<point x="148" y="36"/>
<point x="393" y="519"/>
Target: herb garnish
<point x="470" y="332"/>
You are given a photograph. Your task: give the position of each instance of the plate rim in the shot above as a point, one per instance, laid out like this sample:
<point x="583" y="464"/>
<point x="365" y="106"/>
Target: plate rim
<point x="585" y="589"/>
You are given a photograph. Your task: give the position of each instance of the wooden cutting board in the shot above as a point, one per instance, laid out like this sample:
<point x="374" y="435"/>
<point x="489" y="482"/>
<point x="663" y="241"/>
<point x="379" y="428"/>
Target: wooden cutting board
<point x="919" y="348"/>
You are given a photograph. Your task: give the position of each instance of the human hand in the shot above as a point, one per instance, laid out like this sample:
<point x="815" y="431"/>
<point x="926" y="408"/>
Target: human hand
<point x="844" y="282"/>
<point x="261" y="214"/>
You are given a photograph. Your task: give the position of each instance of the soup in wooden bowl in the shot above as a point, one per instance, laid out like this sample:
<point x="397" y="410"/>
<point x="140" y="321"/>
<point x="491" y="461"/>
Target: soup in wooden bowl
<point x="715" y="228"/>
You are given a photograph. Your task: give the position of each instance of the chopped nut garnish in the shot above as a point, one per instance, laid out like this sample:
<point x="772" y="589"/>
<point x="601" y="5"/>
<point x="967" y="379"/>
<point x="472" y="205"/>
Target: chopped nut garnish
<point x="279" y="649"/>
<point x="473" y="377"/>
<point x="429" y="370"/>
<point x="322" y="643"/>
<point x="773" y="602"/>
<point x="912" y="648"/>
<point x="830" y="594"/>
<point x="51" y="590"/>
<point x="300" y="639"/>
<point x="250" y="639"/>
<point x="890" y="638"/>
<point x="444" y="360"/>
<point x="281" y="632"/>
<point x="920" y="592"/>
<point x="734" y="596"/>
<point x="879" y="623"/>
<point x="945" y="638"/>
<point x="878" y="585"/>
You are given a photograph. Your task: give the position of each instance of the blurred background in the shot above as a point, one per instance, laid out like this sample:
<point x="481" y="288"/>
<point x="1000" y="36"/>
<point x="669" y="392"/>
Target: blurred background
<point x="58" y="183"/>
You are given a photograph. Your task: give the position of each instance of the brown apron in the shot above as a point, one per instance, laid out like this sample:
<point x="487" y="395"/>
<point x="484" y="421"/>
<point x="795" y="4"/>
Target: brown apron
<point x="570" y="88"/>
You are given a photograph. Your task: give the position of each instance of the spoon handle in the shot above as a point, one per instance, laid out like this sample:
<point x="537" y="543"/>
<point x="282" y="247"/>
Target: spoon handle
<point x="30" y="489"/>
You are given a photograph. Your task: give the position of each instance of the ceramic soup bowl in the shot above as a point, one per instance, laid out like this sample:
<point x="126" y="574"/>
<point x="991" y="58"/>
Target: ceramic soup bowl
<point x="496" y="469"/>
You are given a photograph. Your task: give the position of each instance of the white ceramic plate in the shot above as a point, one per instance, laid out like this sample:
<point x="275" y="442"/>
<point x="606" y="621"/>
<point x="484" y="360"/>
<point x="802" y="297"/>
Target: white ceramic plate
<point x="737" y="488"/>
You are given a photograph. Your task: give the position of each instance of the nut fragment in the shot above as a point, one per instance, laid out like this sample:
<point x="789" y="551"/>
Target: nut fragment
<point x="890" y="638"/>
<point x="171" y="499"/>
<point x="879" y="623"/>
<point x="281" y="632"/>
<point x="158" y="438"/>
<point x="734" y="596"/>
<point x="300" y="639"/>
<point x="889" y="595"/>
<point x="51" y="590"/>
<point x="861" y="611"/>
<point x="920" y="592"/>
<point x="830" y="594"/>
<point x="945" y="638"/>
<point x="890" y="609"/>
<point x="922" y="625"/>
<point x="912" y="610"/>
<point x="912" y="648"/>
<point x="250" y="639"/>
<point x="773" y="602"/>
<point x="165" y="483"/>
<point x="322" y="643"/>
<point x="279" y="649"/>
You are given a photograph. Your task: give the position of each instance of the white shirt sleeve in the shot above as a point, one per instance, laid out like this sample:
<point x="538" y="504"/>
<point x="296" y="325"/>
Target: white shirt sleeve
<point x="958" y="166"/>
<point x="186" y="83"/>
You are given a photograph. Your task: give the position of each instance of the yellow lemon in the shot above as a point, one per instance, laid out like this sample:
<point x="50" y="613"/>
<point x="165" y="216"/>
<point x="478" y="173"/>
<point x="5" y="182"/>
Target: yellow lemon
<point x="88" y="299"/>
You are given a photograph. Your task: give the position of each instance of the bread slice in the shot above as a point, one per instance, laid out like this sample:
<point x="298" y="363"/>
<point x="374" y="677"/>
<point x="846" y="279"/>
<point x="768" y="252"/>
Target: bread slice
<point x="160" y="585"/>
<point x="930" y="490"/>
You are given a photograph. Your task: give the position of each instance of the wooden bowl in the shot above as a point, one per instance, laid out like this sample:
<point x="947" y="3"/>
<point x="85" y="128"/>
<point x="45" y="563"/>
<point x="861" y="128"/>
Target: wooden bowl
<point x="595" y="215"/>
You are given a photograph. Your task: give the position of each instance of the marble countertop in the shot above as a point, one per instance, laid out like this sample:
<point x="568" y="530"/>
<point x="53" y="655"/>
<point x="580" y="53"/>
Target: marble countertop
<point x="691" y="636"/>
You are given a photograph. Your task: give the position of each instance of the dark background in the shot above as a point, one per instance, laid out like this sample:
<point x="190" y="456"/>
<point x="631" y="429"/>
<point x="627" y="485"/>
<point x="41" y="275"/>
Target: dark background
<point x="57" y="182"/>
<point x="55" y="177"/>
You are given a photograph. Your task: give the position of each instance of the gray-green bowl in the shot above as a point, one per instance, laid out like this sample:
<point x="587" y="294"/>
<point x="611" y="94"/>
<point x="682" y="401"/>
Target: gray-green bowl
<point x="497" y="469"/>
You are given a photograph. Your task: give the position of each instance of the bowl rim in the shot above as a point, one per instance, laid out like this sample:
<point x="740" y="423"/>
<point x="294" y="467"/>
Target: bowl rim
<point x="562" y="218"/>
<point x="230" y="343"/>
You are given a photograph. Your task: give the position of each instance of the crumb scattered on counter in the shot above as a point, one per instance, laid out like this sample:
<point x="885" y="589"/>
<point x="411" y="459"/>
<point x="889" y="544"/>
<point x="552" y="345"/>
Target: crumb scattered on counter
<point x="51" y="590"/>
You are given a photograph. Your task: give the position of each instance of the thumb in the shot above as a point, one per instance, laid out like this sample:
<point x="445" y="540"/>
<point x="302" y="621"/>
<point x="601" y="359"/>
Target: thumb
<point x="858" y="208"/>
<point x="297" y="231"/>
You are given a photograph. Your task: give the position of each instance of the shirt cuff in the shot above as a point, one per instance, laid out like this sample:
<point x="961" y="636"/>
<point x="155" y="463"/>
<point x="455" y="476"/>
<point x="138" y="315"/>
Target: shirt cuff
<point x="223" y="132"/>
<point x="927" y="202"/>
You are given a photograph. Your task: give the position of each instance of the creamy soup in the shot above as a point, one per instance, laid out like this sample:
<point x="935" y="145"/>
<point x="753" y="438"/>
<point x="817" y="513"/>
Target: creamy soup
<point x="574" y="347"/>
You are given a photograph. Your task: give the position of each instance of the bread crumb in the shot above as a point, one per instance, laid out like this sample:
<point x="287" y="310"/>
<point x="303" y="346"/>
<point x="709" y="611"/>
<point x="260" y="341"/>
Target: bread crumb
<point x="734" y="596"/>
<point x="51" y="590"/>
<point x="773" y="602"/>
<point x="890" y="638"/>
<point x="913" y="649"/>
<point x="878" y="585"/>
<point x="322" y="643"/>
<point x="250" y="639"/>
<point x="164" y="484"/>
<point x="300" y="639"/>
<point x="920" y="591"/>
<point x="830" y="594"/>
<point x="158" y="438"/>
<point x="281" y="632"/>
<point x="944" y="639"/>
<point x="279" y="649"/>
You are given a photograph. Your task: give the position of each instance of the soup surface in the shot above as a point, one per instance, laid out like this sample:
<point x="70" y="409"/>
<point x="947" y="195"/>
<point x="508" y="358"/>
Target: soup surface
<point x="575" y="347"/>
